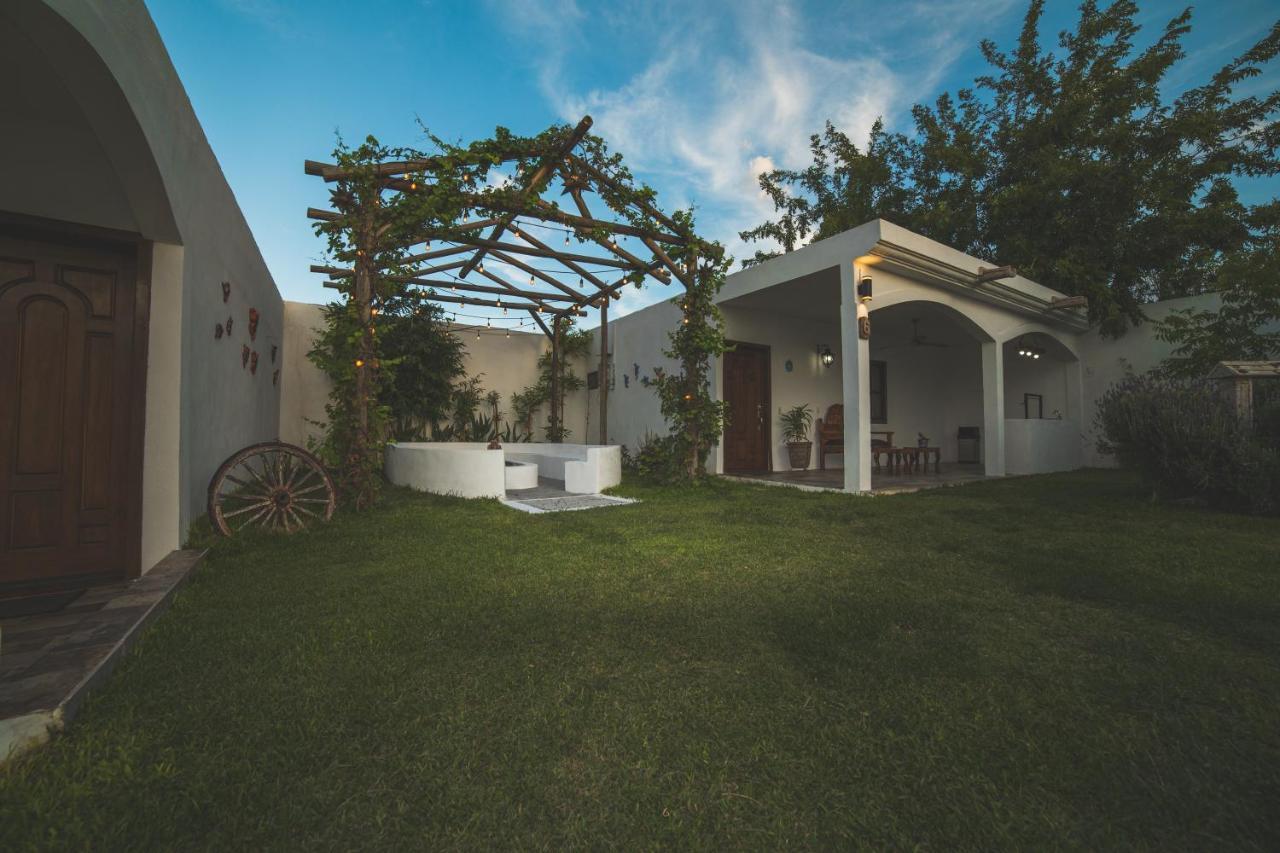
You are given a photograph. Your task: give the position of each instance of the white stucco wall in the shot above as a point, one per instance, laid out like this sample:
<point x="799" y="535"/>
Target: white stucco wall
<point x="636" y="342"/>
<point x="506" y="365"/>
<point x="95" y="76"/>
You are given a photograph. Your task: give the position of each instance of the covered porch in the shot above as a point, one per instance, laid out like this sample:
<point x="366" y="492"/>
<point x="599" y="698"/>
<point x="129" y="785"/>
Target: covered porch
<point x="900" y="347"/>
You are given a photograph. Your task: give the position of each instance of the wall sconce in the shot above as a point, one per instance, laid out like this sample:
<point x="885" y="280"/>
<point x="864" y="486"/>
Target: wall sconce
<point x="825" y="355"/>
<point x="864" y="289"/>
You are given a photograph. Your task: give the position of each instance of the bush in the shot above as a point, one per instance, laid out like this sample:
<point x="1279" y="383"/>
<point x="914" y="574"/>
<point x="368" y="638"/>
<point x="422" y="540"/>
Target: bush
<point x="1185" y="440"/>
<point x="658" y="458"/>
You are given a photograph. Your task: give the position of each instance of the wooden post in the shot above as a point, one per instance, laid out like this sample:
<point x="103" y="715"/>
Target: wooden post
<point x="555" y="381"/>
<point x="696" y="468"/>
<point x="604" y="371"/>
<point x="363" y="293"/>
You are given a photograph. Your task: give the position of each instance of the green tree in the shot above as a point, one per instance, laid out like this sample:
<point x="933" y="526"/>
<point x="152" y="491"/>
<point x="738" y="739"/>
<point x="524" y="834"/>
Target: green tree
<point x="424" y="359"/>
<point x="574" y="344"/>
<point x="1071" y="166"/>
<point x="1250" y="287"/>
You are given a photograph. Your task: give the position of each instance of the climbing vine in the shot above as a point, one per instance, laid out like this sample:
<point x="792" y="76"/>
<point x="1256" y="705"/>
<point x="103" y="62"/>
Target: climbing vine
<point x="695" y="417"/>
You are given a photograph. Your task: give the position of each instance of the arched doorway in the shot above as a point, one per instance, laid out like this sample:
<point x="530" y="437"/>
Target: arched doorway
<point x="928" y="381"/>
<point x="83" y="198"/>
<point x="1042" y="404"/>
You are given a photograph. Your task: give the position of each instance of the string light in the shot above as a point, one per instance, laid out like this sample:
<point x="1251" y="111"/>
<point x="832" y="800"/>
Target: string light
<point x="359" y="362"/>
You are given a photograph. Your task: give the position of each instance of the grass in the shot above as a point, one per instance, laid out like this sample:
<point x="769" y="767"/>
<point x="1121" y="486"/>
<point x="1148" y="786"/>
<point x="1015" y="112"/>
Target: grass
<point x="1037" y="662"/>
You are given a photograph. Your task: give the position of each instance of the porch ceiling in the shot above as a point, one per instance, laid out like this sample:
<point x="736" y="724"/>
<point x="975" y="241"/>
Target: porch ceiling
<point x="815" y="296"/>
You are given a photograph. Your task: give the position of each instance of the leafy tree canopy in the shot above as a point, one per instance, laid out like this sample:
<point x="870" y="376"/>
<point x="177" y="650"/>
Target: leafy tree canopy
<point x="1070" y="165"/>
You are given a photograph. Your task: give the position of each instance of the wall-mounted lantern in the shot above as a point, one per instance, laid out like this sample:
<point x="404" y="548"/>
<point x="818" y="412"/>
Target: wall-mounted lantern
<point x="864" y="288"/>
<point x="825" y="355"/>
<point x="864" y="313"/>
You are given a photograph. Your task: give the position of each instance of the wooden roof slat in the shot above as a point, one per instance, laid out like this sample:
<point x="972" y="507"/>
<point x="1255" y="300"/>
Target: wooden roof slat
<point x="537" y="273"/>
<point x="539" y="175"/>
<point x="570" y="264"/>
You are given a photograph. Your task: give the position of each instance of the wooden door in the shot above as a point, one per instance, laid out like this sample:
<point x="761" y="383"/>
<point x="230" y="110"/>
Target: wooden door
<point x="747" y="397"/>
<point x="68" y="484"/>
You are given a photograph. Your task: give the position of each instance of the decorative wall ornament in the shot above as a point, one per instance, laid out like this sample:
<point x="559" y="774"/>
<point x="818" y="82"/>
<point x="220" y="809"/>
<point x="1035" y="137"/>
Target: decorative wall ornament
<point x="244" y="355"/>
<point x="226" y="291"/>
<point x="275" y="376"/>
<point x="253" y="362"/>
<point x="228" y="326"/>
<point x="217" y="331"/>
<point x="253" y="324"/>
<point x="273" y="353"/>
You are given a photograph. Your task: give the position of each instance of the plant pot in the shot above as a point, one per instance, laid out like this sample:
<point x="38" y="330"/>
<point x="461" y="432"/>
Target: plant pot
<point x="798" y="453"/>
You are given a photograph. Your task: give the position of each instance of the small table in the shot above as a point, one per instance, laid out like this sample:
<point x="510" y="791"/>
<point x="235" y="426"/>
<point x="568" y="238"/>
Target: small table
<point x="909" y="459"/>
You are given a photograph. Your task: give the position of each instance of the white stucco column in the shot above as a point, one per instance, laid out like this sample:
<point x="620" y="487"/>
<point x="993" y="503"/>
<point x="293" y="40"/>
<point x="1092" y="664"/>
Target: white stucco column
<point x="161" y="484"/>
<point x="855" y="366"/>
<point x="993" y="408"/>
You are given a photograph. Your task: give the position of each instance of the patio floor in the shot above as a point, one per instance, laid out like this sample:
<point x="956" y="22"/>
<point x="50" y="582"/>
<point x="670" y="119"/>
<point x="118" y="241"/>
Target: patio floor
<point x="882" y="482"/>
<point x="550" y="496"/>
<point x="50" y="661"/>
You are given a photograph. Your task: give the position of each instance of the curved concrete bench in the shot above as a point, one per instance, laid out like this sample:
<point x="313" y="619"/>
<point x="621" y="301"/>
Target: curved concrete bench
<point x="586" y="469"/>
<point x="471" y="470"/>
<point x="464" y="469"/>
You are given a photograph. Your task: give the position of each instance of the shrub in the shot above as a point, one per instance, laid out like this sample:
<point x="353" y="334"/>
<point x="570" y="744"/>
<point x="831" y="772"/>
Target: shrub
<point x="1185" y="440"/>
<point x="658" y="458"/>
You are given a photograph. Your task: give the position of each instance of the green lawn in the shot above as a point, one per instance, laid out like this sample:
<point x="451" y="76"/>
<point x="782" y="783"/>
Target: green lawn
<point x="1029" y="663"/>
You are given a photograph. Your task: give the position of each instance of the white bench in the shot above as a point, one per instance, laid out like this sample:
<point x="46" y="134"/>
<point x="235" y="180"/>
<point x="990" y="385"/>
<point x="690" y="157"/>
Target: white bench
<point x="585" y="468"/>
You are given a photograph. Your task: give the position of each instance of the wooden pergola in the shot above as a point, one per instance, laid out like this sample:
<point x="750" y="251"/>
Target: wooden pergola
<point x="502" y="261"/>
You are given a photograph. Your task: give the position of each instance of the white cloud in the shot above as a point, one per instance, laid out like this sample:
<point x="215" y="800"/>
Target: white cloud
<point x="733" y="90"/>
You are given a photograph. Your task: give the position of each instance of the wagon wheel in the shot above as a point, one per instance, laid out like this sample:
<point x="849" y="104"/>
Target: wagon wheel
<point x="272" y="485"/>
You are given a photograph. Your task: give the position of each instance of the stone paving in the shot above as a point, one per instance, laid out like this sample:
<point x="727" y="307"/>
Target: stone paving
<point x="49" y="662"/>
<point x="550" y="496"/>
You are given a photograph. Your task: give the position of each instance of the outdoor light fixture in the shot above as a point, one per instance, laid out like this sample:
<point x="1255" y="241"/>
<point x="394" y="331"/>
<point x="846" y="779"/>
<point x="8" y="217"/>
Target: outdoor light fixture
<point x="825" y="355"/>
<point x="864" y="288"/>
<point x="1026" y="350"/>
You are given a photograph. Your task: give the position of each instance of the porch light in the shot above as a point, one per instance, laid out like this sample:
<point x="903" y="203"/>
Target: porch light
<point x="825" y="355"/>
<point x="864" y="288"/>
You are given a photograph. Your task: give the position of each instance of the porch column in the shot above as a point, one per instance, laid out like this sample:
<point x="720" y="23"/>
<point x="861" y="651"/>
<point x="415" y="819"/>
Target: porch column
<point x="993" y="408"/>
<point x="855" y="375"/>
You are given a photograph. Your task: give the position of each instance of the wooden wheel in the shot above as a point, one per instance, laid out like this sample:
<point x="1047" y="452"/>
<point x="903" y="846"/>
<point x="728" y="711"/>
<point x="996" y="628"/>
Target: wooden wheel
<point x="273" y="486"/>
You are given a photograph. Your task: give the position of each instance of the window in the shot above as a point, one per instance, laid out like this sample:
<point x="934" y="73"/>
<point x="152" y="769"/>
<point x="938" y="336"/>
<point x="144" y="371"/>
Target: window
<point x="879" y="393"/>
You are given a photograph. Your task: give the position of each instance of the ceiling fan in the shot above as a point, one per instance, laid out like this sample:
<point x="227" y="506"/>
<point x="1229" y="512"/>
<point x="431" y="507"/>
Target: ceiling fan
<point x="917" y="339"/>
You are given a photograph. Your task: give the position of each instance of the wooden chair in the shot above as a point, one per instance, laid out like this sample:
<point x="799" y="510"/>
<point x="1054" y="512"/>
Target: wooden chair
<point x="829" y="431"/>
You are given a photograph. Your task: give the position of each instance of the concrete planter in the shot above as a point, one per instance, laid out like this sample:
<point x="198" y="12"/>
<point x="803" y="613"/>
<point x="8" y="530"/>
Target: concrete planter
<point x="798" y="453"/>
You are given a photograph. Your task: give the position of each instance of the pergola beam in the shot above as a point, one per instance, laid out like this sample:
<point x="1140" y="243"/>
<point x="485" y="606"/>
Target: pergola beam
<point x="569" y="264"/>
<point x="535" y="272"/>
<point x="514" y="306"/>
<point x="539" y="209"/>
<point x="533" y="185"/>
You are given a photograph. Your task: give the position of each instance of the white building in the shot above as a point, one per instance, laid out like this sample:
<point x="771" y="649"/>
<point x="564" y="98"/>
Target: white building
<point x="142" y="339"/>
<point x="129" y="365"/>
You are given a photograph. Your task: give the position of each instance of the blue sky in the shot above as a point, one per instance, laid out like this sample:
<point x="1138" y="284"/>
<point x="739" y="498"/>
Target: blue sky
<point x="698" y="96"/>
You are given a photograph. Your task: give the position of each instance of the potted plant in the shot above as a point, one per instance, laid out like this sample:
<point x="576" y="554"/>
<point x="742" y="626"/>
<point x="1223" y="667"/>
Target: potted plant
<point x="796" y="423"/>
